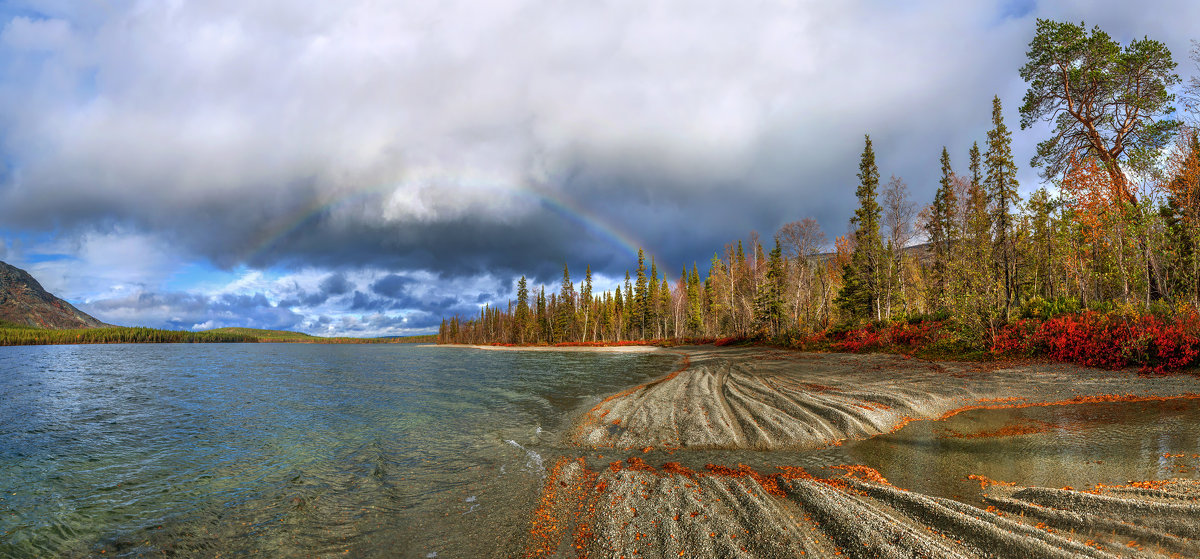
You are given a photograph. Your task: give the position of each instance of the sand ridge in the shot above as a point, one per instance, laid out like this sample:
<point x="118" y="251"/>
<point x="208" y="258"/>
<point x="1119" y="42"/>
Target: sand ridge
<point x="634" y="509"/>
<point x="764" y="399"/>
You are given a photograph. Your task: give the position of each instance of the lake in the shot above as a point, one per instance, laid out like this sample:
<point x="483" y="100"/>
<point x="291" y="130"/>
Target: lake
<point x="283" y="449"/>
<point x="416" y="451"/>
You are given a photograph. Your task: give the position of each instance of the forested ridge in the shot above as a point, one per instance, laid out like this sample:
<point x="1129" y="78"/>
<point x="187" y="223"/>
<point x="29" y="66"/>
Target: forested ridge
<point x="1100" y="265"/>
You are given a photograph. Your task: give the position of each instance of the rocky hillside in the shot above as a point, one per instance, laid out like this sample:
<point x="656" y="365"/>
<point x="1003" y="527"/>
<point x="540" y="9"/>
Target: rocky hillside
<point x="23" y="301"/>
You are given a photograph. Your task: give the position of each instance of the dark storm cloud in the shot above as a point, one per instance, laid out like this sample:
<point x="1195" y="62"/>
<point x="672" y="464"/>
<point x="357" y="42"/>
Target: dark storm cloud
<point x="392" y="285"/>
<point x="499" y="139"/>
<point x="187" y="311"/>
<point x="331" y="285"/>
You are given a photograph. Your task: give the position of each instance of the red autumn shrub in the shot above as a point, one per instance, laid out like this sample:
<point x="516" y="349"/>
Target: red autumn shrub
<point x="915" y="336"/>
<point x="1109" y="341"/>
<point x="859" y="340"/>
<point x="1014" y="339"/>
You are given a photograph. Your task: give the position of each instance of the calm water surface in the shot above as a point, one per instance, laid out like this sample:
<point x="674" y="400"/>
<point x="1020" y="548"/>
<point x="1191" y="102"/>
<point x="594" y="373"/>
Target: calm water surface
<point x="282" y="449"/>
<point x="408" y="451"/>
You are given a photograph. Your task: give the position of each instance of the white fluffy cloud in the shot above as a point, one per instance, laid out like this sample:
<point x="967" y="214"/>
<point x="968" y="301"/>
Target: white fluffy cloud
<point x="445" y="108"/>
<point x="405" y="136"/>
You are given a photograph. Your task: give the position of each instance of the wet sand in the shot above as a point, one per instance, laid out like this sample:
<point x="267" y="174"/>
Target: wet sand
<point x="589" y="349"/>
<point x="767" y="399"/>
<point x="633" y="509"/>
<point x="757" y="399"/>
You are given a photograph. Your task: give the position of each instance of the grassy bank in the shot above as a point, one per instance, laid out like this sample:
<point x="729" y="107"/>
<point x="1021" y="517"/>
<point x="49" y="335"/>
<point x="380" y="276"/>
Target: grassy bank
<point x="12" y="334"/>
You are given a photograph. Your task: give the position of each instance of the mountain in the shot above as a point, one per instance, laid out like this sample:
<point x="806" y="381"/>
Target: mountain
<point x="23" y="301"/>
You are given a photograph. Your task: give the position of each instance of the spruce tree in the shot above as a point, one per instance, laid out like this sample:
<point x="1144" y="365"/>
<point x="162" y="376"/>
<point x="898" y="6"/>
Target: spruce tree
<point x="640" y="297"/>
<point x="565" y="313"/>
<point x="860" y="294"/>
<point x="942" y="228"/>
<point x="585" y="300"/>
<point x="630" y="319"/>
<point x="543" y="321"/>
<point x="1181" y="223"/>
<point x="695" y="319"/>
<point x="652" y="311"/>
<point x="1001" y="185"/>
<point x="521" y="324"/>
<point x="618" y="313"/>
<point x="664" y="306"/>
<point x="768" y="302"/>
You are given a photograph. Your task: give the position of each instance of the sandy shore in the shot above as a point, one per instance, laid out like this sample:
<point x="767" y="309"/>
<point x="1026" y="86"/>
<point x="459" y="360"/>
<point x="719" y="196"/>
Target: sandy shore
<point x="763" y="399"/>
<point x="602" y="349"/>
<point x="767" y="399"/>
<point x="633" y="509"/>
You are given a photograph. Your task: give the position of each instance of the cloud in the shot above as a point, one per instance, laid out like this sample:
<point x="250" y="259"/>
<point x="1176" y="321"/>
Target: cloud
<point x="188" y="310"/>
<point x="392" y="285"/>
<point x="340" y="303"/>
<point x="481" y="141"/>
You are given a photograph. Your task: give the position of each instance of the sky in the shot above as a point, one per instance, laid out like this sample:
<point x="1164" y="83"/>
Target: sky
<point x="366" y="168"/>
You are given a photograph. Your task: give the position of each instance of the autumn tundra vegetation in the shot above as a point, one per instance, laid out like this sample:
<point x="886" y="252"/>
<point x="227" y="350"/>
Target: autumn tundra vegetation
<point x="1099" y="266"/>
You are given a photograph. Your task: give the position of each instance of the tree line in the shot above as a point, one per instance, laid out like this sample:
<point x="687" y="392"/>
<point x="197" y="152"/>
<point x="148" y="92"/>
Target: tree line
<point x="1115" y="227"/>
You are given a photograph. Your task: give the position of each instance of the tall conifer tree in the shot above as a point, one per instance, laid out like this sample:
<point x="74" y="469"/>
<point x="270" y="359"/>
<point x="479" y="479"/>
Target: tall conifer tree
<point x="860" y="295"/>
<point x="1001" y="185"/>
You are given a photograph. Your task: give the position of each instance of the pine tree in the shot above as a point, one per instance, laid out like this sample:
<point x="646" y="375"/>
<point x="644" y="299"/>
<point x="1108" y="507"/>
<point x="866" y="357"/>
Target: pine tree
<point x="565" y="313"/>
<point x="629" y="320"/>
<point x="585" y="300"/>
<point x="619" y="311"/>
<point x="652" y="310"/>
<point x="1181" y="221"/>
<point x="695" y="321"/>
<point x="1001" y="185"/>
<point x="542" y="319"/>
<point x="860" y="294"/>
<point x="641" y="298"/>
<point x="664" y="306"/>
<point x="768" y="302"/>
<point x="942" y="228"/>
<point x="521" y="324"/>
<point x="977" y="235"/>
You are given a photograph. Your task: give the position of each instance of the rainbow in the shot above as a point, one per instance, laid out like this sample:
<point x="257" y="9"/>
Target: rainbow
<point x="564" y="207"/>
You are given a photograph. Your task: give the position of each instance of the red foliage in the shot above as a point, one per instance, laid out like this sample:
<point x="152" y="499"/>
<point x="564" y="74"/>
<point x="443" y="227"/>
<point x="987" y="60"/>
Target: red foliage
<point x="861" y="339"/>
<point x="899" y="336"/>
<point x="1109" y="341"/>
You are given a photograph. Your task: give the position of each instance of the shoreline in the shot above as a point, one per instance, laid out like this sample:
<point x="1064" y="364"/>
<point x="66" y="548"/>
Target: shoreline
<point x="749" y="399"/>
<point x="595" y="349"/>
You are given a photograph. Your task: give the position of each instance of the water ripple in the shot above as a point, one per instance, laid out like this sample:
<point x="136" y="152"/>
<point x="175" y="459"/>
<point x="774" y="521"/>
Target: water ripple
<point x="280" y="450"/>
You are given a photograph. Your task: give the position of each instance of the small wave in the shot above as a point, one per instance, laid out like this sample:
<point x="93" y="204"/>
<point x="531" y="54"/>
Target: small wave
<point x="533" y="460"/>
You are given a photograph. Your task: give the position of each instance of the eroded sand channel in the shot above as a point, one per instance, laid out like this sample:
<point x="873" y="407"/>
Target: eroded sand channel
<point x="826" y="436"/>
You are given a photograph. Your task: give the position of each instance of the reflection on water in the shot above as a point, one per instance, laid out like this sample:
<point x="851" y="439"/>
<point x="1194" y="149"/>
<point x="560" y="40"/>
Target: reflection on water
<point x="1054" y="446"/>
<point x="385" y="451"/>
<point x="283" y="450"/>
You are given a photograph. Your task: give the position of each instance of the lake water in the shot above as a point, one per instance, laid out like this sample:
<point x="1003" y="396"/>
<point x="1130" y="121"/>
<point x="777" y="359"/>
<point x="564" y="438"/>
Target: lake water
<point x="282" y="449"/>
<point x="409" y="451"/>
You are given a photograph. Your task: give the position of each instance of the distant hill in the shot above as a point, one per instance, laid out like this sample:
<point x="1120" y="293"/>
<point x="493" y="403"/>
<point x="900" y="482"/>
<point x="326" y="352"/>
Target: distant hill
<point x="24" y="302"/>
